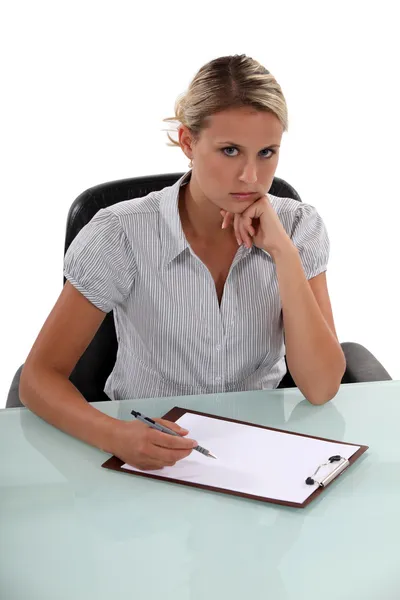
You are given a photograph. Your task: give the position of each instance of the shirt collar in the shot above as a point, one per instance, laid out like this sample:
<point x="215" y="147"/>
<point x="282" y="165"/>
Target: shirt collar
<point x="173" y="239"/>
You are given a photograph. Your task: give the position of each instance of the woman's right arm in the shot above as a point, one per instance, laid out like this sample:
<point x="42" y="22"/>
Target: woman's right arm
<point x="46" y="390"/>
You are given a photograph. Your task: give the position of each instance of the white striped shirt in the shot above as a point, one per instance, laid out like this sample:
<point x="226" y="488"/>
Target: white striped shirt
<point x="173" y="336"/>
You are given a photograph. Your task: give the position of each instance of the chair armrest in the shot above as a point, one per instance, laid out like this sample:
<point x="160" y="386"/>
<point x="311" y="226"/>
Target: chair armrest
<point x="13" y="400"/>
<point x="362" y="365"/>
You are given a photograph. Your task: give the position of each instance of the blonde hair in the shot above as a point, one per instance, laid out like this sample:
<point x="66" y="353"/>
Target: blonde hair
<point x="228" y="82"/>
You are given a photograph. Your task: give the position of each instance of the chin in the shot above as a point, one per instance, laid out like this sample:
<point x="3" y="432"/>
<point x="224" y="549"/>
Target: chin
<point x="240" y="205"/>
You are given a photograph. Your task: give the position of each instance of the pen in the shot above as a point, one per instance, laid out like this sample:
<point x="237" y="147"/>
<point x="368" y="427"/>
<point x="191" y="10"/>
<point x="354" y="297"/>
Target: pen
<point x="164" y="429"/>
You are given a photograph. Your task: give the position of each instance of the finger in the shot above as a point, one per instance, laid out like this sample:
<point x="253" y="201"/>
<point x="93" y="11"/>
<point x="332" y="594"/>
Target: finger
<point x="167" y="456"/>
<point x="236" y="228"/>
<point x="173" y="426"/>
<point x="243" y="235"/>
<point x="166" y="440"/>
<point x="223" y="214"/>
<point x="149" y="464"/>
<point x="227" y="219"/>
<point x="248" y="242"/>
<point x="247" y="229"/>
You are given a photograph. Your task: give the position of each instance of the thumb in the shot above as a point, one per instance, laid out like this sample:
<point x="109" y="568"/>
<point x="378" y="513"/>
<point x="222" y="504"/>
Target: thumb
<point x="171" y="425"/>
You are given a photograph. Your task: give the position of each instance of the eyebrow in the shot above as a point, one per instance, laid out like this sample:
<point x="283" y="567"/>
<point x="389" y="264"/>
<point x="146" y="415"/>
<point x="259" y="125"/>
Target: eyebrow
<point x="239" y="146"/>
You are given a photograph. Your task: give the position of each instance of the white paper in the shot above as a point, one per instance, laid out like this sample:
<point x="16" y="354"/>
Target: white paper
<point x="251" y="460"/>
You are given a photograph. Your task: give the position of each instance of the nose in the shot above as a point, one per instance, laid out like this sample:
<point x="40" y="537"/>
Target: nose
<point x="249" y="173"/>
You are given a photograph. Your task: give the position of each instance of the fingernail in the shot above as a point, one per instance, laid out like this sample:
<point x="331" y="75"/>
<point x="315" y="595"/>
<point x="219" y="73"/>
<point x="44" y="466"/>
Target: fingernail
<point x="223" y="226"/>
<point x="238" y="241"/>
<point x="195" y="444"/>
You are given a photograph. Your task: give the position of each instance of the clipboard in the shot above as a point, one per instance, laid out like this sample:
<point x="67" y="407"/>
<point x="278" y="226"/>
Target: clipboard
<point x="316" y="480"/>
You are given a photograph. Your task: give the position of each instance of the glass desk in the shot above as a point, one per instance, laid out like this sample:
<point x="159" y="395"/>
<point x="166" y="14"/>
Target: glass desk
<point x="71" y="530"/>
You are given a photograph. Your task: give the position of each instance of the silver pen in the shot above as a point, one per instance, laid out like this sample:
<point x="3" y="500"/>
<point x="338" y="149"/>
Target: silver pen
<point x="164" y="429"/>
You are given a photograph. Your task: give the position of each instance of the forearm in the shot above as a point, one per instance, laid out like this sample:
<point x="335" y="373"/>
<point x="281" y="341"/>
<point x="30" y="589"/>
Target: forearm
<point x="55" y="399"/>
<point x="314" y="356"/>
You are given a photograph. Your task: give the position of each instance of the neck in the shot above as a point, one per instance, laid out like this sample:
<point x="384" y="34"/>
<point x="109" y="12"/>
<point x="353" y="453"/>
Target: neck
<point x="199" y="216"/>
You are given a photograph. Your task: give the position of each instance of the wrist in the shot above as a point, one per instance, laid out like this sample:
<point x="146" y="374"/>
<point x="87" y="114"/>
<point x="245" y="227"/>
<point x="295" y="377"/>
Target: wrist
<point x="107" y="434"/>
<point x="285" y="248"/>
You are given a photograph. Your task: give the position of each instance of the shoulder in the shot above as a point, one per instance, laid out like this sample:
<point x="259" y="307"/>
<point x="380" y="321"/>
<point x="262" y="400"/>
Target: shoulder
<point x="289" y="211"/>
<point x="290" y="207"/>
<point x="139" y="216"/>
<point x="293" y="213"/>
<point x="145" y="205"/>
<point x="284" y="205"/>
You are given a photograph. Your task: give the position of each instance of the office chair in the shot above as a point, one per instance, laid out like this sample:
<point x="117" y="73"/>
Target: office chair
<point x="95" y="365"/>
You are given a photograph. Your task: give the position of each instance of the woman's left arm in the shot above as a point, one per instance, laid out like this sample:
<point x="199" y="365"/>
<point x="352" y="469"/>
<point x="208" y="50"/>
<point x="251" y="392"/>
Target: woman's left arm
<point x="313" y="353"/>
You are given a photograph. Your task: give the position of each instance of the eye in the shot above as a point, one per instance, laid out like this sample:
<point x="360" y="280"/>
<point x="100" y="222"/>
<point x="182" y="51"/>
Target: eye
<point x="267" y="150"/>
<point x="226" y="151"/>
<point x="229" y="151"/>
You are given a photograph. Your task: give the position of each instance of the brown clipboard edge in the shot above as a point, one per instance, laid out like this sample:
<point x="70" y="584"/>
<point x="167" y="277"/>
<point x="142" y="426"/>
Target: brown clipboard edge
<point x="176" y="413"/>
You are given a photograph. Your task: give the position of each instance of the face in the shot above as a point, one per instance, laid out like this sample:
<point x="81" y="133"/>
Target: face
<point x="237" y="153"/>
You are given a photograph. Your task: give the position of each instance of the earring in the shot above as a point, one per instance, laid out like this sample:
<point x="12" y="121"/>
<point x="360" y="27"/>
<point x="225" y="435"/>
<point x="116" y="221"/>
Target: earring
<point x="191" y="163"/>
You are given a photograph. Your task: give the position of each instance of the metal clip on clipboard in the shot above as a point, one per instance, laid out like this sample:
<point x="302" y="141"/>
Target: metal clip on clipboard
<point x="342" y="464"/>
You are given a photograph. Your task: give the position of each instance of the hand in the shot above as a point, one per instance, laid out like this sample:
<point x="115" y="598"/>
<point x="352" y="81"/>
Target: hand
<point x="259" y="224"/>
<point x="148" y="449"/>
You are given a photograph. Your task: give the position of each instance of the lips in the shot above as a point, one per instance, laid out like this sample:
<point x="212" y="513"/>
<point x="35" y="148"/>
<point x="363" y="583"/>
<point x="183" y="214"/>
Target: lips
<point x="241" y="196"/>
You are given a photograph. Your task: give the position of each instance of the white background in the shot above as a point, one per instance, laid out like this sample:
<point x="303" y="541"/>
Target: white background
<point x="85" y="86"/>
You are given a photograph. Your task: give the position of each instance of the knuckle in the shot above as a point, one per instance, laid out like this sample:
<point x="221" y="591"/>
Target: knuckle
<point x="172" y="456"/>
<point x="141" y="448"/>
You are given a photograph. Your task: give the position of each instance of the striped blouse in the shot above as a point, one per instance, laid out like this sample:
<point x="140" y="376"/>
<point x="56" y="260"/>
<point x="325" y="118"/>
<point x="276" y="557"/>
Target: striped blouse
<point x="173" y="336"/>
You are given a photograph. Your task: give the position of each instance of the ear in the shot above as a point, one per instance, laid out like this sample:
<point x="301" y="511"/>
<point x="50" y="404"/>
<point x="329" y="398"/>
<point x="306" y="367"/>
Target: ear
<point x="185" y="140"/>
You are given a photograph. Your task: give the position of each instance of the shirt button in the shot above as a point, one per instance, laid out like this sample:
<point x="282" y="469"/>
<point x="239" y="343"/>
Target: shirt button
<point x="218" y="347"/>
<point x="218" y="379"/>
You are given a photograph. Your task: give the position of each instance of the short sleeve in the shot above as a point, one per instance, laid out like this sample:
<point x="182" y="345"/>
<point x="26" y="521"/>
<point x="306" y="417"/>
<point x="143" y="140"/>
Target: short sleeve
<point x="310" y="236"/>
<point x="100" y="263"/>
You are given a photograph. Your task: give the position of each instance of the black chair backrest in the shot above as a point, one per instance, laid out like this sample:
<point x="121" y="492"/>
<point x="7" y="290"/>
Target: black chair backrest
<point x="95" y="365"/>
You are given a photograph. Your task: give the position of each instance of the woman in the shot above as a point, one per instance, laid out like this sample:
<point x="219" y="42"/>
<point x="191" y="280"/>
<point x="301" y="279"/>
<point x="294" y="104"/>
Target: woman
<point x="212" y="280"/>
